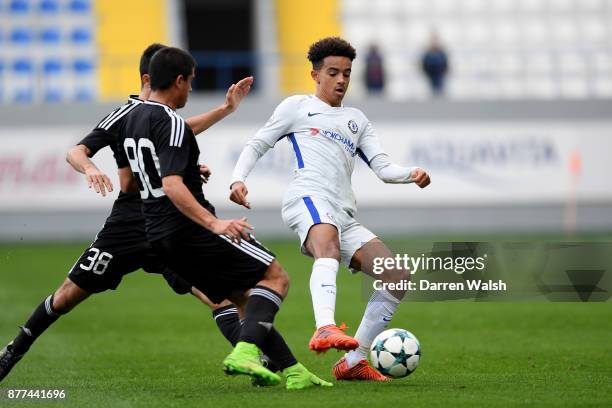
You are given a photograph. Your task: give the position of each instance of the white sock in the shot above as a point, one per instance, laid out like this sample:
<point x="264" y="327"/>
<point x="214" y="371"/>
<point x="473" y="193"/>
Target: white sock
<point x="378" y="314"/>
<point x="323" y="290"/>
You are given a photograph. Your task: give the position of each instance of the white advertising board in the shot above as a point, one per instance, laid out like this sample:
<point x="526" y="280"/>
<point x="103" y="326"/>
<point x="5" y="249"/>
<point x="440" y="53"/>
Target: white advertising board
<point x="471" y="163"/>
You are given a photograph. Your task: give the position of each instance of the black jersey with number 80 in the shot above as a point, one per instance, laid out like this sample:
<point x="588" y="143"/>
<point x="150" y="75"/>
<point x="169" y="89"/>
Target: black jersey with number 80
<point x="158" y="143"/>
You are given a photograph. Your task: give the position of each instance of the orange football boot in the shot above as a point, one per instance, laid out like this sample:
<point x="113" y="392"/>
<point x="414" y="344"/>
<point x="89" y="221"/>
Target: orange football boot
<point x="331" y="336"/>
<point x="362" y="371"/>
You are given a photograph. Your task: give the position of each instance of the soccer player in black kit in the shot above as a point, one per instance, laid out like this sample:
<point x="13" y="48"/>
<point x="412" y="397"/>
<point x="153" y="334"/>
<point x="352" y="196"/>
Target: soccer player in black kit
<point x="121" y="246"/>
<point x="219" y="257"/>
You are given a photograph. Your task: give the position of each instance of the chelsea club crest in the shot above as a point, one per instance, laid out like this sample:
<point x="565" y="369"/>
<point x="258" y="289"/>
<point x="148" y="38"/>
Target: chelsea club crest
<point x="353" y="126"/>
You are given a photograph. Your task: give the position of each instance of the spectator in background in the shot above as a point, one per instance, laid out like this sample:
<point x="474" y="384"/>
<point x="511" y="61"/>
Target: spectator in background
<point x="435" y="65"/>
<point x="375" y="73"/>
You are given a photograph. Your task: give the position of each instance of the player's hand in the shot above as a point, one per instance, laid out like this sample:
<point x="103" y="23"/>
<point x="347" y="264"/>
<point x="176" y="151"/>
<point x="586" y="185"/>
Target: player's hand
<point x="98" y="180"/>
<point x="205" y="173"/>
<point x="420" y="177"/>
<point x="239" y="194"/>
<point x="237" y="92"/>
<point x="233" y="229"/>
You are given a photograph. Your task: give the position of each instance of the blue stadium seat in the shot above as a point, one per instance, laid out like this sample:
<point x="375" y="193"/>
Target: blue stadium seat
<point x="23" y="70"/>
<point x="52" y="67"/>
<point x="50" y="36"/>
<point x="23" y="66"/>
<point x="80" y="6"/>
<point x="53" y="95"/>
<point x="81" y="36"/>
<point x="22" y="36"/>
<point x="53" y="80"/>
<point x="49" y="6"/>
<point x="19" y="6"/>
<point x="84" y="95"/>
<point x="83" y="67"/>
<point x="24" y="96"/>
<point x="85" y="81"/>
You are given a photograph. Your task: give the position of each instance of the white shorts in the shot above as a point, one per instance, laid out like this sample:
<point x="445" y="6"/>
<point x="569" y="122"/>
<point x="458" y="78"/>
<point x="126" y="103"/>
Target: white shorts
<point x="302" y="213"/>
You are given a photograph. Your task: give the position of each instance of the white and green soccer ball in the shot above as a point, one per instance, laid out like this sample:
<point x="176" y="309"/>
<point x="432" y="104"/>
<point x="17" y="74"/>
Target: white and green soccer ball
<point x="395" y="353"/>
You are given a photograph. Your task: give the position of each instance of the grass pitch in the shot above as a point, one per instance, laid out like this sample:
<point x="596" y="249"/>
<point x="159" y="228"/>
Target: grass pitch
<point x="143" y="346"/>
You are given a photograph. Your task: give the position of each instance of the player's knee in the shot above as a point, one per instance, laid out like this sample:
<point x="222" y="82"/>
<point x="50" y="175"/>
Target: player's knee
<point x="396" y="275"/>
<point x="327" y="250"/>
<point x="279" y="277"/>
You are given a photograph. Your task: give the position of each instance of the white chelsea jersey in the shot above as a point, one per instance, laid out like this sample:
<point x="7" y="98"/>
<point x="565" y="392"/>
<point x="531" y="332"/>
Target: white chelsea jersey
<point x="325" y="140"/>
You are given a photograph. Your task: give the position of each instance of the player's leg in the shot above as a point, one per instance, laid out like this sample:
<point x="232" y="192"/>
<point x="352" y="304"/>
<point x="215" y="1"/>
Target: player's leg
<point x="64" y="299"/>
<point x="259" y="305"/>
<point x="312" y="220"/>
<point x="323" y="244"/>
<point x="260" y="309"/>
<point x="380" y="308"/>
<point x="102" y="266"/>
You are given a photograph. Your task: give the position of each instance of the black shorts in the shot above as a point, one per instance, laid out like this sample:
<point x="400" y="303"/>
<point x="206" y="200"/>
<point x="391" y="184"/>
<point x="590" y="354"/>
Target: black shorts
<point x="213" y="263"/>
<point x="119" y="249"/>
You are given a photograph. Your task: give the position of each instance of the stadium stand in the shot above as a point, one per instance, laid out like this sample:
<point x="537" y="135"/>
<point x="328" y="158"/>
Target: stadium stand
<point x="47" y="46"/>
<point x="499" y="49"/>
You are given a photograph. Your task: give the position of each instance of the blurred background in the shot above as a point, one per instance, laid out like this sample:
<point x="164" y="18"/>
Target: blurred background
<point x="507" y="103"/>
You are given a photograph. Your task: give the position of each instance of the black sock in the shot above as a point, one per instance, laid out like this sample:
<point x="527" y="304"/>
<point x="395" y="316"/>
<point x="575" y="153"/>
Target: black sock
<point x="278" y="352"/>
<point x="228" y="322"/>
<point x="40" y="320"/>
<point x="262" y="306"/>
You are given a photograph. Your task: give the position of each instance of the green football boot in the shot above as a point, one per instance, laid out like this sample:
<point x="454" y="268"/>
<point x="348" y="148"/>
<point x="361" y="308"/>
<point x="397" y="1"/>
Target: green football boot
<point x="244" y="359"/>
<point x="298" y="378"/>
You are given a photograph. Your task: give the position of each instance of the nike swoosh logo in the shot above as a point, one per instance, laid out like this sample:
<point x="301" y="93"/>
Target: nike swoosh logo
<point x="386" y="320"/>
<point x="313" y="114"/>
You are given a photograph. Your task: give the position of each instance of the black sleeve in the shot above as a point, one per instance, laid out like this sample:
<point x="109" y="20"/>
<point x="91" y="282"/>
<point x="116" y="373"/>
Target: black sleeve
<point x="119" y="152"/>
<point x="98" y="139"/>
<point x="172" y="146"/>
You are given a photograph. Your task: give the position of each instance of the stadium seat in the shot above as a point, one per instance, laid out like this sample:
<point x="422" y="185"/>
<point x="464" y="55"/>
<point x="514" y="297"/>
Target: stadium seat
<point x="52" y="67"/>
<point x="80" y="6"/>
<point x="49" y="6"/>
<point x="602" y="86"/>
<point x="415" y="8"/>
<point x="22" y="36"/>
<point x="84" y="71"/>
<point x="22" y="81"/>
<point x="50" y="36"/>
<point x="574" y="87"/>
<point x="19" y="6"/>
<point x="444" y="6"/>
<point x="81" y="36"/>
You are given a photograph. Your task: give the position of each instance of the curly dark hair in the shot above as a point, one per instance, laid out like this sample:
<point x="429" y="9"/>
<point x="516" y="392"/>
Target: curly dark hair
<point x="329" y="46"/>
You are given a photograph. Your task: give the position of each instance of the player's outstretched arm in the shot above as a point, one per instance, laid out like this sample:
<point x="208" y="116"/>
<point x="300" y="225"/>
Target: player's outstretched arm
<point x="78" y="158"/>
<point x="278" y="125"/>
<point x="186" y="203"/>
<point x="235" y="94"/>
<point x="395" y="174"/>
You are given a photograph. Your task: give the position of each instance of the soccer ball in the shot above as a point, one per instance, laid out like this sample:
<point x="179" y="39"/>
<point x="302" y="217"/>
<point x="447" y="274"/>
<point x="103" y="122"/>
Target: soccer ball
<point x="395" y="353"/>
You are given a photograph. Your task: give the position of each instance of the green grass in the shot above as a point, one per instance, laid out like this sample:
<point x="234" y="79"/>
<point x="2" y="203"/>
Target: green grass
<point x="143" y="346"/>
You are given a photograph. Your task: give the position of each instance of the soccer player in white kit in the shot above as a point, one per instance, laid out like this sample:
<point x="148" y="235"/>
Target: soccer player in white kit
<point x="319" y="204"/>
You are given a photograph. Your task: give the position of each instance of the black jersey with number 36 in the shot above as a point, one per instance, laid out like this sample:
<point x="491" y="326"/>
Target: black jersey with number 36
<point x="158" y="143"/>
